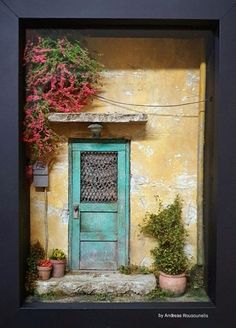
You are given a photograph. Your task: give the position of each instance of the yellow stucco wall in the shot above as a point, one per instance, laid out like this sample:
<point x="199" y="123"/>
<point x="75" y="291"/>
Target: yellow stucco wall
<point x="164" y="153"/>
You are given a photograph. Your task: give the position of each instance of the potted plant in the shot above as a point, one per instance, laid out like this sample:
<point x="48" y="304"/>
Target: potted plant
<point x="44" y="269"/>
<point x="58" y="260"/>
<point x="167" y="227"/>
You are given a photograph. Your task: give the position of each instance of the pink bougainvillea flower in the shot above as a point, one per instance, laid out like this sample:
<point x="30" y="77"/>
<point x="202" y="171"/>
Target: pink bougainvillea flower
<point x="60" y="77"/>
<point x="32" y="98"/>
<point x="39" y="59"/>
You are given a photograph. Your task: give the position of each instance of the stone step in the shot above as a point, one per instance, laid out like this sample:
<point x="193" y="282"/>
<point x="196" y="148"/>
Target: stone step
<point x="98" y="283"/>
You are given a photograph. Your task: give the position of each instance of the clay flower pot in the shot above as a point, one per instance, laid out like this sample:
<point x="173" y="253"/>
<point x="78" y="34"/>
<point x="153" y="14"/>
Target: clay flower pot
<point x="58" y="268"/>
<point x="175" y="284"/>
<point x="44" y="272"/>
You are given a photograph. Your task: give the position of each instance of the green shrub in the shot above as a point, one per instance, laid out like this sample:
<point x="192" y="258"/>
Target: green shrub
<point x="36" y="253"/>
<point x="158" y="293"/>
<point x="133" y="269"/>
<point x="167" y="227"/>
<point x="196" y="278"/>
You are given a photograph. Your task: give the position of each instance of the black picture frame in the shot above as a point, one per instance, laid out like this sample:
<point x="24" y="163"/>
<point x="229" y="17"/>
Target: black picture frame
<point x="218" y="21"/>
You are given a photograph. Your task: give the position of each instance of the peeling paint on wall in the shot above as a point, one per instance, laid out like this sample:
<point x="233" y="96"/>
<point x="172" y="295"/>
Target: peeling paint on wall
<point x="61" y="213"/>
<point x="186" y="181"/>
<point x="64" y="215"/>
<point x="136" y="181"/>
<point x="188" y="249"/>
<point x="60" y="166"/>
<point x="190" y="214"/>
<point x="192" y="79"/>
<point x="146" y="261"/>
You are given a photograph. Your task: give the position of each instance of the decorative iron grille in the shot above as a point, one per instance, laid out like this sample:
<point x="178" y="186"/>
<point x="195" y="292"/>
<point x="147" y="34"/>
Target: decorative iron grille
<point x="98" y="177"/>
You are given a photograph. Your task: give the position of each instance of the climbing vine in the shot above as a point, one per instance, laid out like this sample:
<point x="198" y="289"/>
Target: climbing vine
<point x="60" y="77"/>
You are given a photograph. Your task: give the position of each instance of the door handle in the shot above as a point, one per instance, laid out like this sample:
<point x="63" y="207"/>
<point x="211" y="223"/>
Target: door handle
<point x="76" y="211"/>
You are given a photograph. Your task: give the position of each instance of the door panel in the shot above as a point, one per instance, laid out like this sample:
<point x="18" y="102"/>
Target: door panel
<point x="99" y="188"/>
<point x="98" y="226"/>
<point x="98" y="255"/>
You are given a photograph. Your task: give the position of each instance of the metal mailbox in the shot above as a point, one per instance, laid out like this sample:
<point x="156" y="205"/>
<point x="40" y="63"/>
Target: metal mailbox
<point x="40" y="173"/>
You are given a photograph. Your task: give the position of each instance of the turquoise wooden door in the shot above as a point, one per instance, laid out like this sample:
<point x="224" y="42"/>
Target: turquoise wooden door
<point x="99" y="207"/>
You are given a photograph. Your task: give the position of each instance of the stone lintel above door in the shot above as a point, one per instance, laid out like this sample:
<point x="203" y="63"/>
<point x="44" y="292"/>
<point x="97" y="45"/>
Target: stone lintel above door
<point x="87" y="117"/>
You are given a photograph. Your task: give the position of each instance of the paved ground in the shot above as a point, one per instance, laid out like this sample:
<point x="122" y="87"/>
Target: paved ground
<point x="105" y="298"/>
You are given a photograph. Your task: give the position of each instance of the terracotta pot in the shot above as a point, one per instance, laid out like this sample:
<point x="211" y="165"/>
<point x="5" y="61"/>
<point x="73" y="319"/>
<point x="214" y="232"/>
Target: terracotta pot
<point x="44" y="272"/>
<point x="175" y="284"/>
<point x="58" y="268"/>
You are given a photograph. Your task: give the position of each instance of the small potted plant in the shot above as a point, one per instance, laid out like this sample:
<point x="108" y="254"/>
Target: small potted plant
<point x="58" y="260"/>
<point x="167" y="227"/>
<point x="44" y="269"/>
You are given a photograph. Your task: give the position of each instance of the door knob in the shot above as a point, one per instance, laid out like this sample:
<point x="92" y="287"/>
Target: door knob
<point x="76" y="211"/>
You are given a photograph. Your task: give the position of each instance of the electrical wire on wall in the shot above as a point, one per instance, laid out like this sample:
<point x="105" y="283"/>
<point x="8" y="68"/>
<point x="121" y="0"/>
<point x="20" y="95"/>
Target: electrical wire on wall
<point x="46" y="220"/>
<point x="124" y="105"/>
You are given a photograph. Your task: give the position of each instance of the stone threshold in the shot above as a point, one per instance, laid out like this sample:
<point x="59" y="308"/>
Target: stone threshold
<point x="97" y="118"/>
<point x="95" y="283"/>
